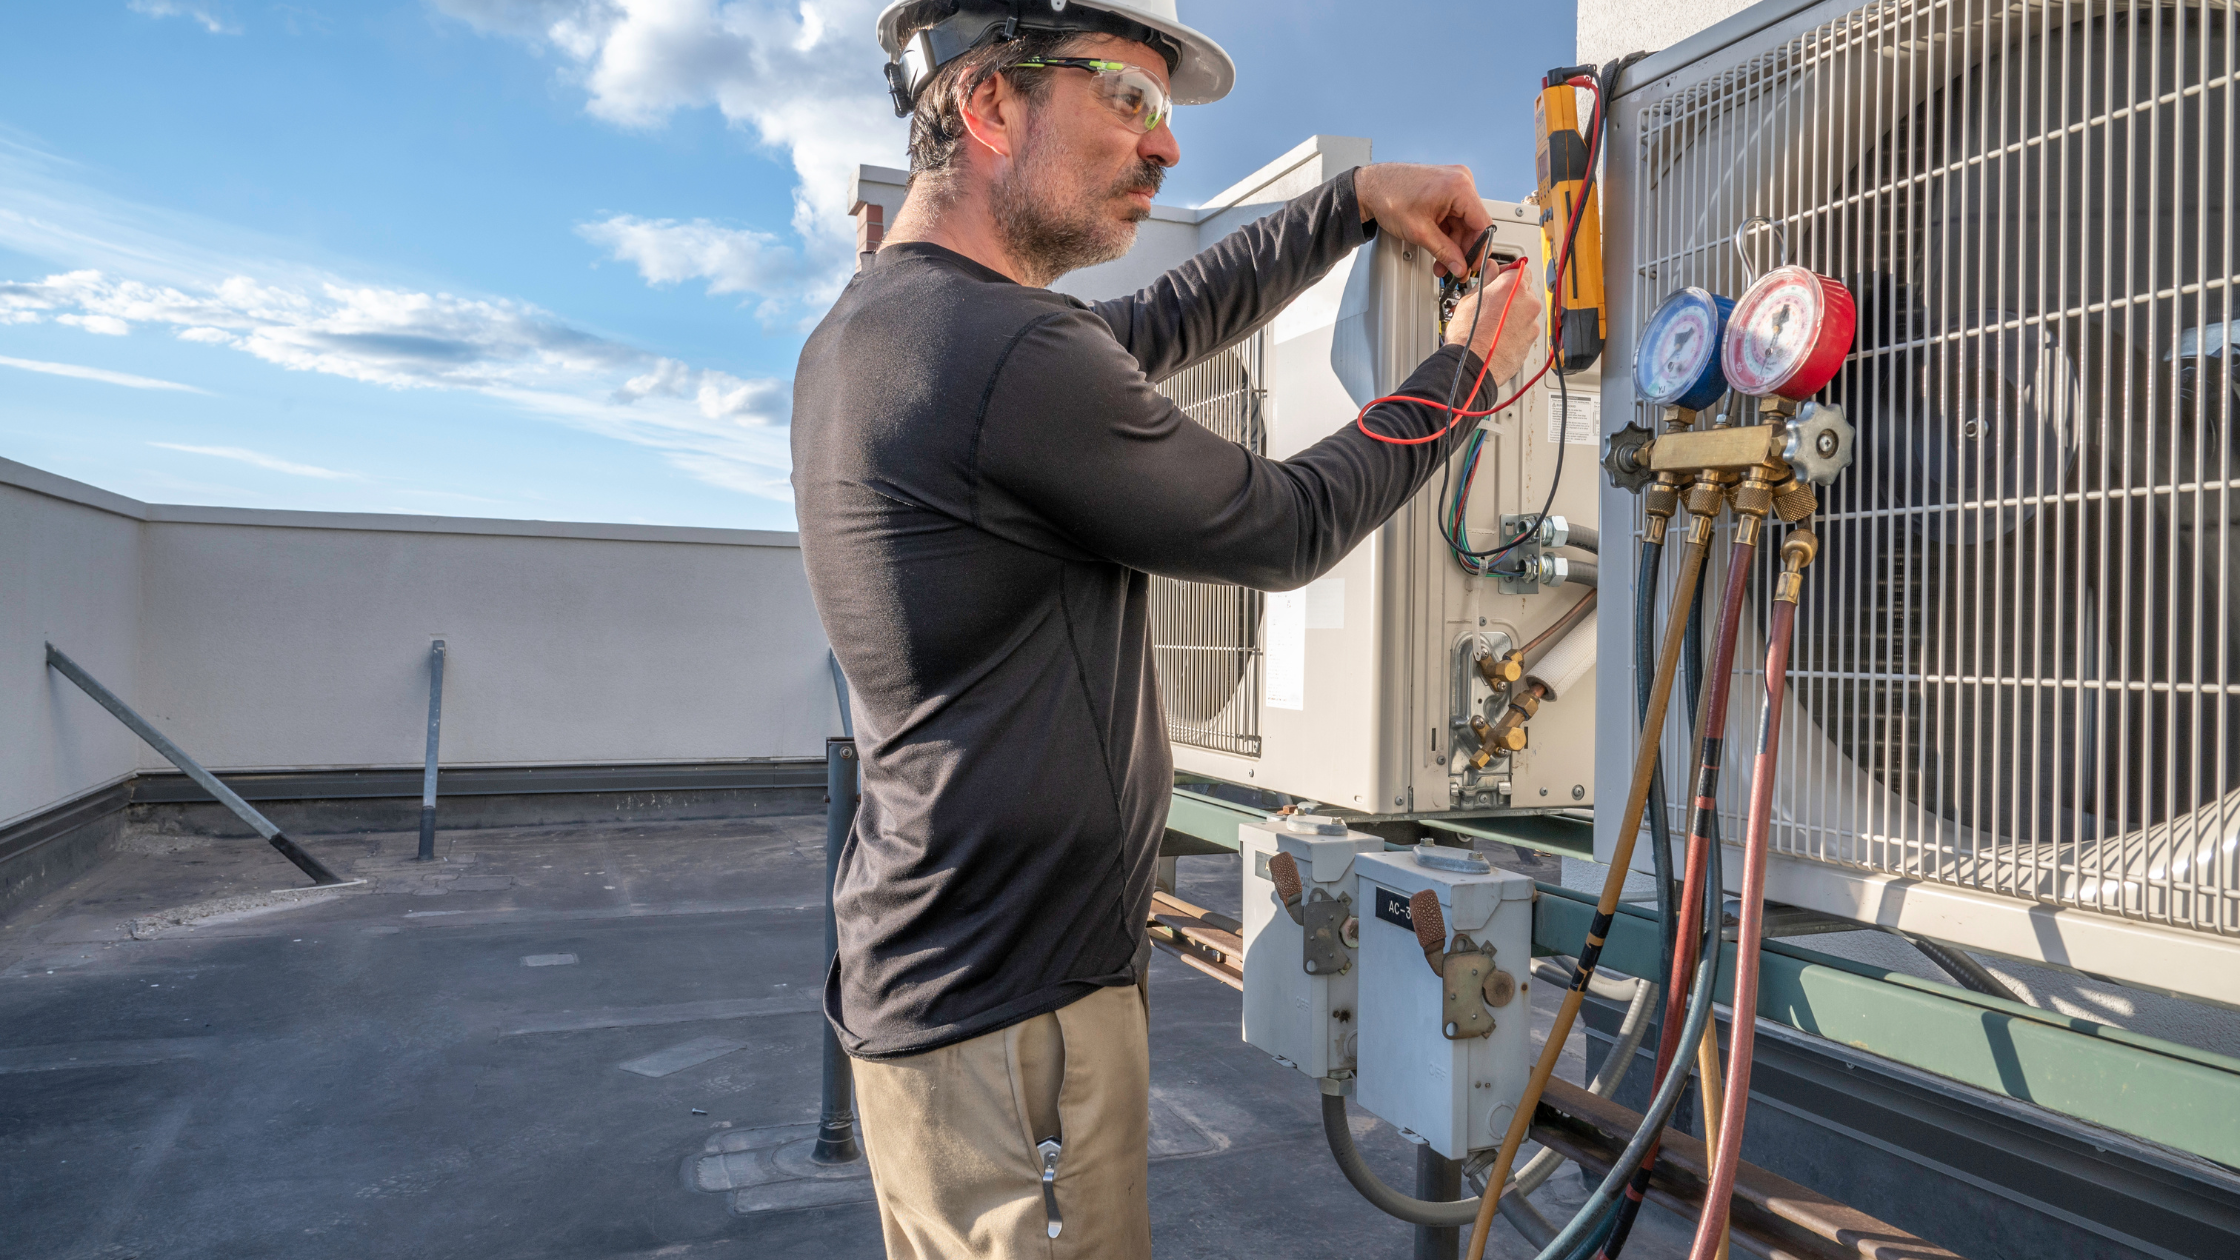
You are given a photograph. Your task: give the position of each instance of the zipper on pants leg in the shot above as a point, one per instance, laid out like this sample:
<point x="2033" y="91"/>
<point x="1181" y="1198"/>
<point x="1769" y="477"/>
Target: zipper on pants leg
<point x="1049" y="1148"/>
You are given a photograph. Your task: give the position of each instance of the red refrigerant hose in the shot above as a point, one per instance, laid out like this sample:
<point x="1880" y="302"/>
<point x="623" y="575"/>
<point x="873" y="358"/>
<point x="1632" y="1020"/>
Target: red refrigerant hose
<point x="1796" y="553"/>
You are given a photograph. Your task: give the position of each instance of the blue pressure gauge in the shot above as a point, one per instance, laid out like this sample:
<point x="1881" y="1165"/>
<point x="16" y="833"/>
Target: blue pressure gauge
<point x="1677" y="361"/>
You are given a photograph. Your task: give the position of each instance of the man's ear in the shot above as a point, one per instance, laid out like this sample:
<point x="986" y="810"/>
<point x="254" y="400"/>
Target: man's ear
<point x="983" y="113"/>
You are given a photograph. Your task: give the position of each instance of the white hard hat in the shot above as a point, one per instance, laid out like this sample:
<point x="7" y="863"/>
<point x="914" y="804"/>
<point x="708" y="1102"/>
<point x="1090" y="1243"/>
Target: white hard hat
<point x="1199" y="72"/>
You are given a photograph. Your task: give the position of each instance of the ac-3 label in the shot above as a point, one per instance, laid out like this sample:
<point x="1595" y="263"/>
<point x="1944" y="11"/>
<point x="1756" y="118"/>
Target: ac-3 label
<point x="1393" y="908"/>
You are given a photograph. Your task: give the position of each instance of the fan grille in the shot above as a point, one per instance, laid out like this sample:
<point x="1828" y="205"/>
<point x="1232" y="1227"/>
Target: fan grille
<point x="1205" y="636"/>
<point x="2017" y="648"/>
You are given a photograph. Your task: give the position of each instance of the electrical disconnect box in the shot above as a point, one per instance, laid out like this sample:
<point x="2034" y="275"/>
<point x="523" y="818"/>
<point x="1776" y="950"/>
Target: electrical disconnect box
<point x="1300" y="923"/>
<point x="1445" y="960"/>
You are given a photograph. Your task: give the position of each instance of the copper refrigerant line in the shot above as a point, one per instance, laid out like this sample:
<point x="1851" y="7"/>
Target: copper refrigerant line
<point x="1742" y="467"/>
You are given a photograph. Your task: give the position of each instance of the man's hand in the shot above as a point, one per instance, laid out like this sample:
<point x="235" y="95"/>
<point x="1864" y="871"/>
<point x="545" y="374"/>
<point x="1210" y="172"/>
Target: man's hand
<point x="1436" y="207"/>
<point x="1516" y="335"/>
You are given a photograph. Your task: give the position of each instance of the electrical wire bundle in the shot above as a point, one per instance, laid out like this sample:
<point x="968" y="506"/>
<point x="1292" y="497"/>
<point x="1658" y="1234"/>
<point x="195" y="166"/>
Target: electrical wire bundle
<point x="1452" y="527"/>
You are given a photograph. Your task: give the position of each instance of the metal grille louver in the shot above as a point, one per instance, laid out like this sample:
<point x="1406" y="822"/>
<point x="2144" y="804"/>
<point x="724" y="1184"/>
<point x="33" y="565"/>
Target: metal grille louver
<point x="1205" y="637"/>
<point x="2018" y="653"/>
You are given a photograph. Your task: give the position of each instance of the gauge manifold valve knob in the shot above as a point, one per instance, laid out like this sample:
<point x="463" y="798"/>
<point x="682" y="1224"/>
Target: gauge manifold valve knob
<point x="1625" y="456"/>
<point x="1819" y="444"/>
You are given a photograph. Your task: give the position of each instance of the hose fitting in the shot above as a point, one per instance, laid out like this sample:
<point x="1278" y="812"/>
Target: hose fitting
<point x="1660" y="500"/>
<point x="1521" y="710"/>
<point x="1753" y="501"/>
<point x="1798" y="551"/>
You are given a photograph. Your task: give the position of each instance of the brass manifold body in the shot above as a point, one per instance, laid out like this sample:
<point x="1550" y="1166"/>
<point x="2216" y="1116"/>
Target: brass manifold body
<point x="1767" y="469"/>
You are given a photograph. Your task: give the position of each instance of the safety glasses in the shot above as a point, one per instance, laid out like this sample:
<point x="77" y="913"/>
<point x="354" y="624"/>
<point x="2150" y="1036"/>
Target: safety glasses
<point x="1131" y="92"/>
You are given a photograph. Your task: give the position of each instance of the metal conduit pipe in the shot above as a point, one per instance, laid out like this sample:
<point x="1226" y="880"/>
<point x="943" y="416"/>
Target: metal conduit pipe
<point x="1384" y="1198"/>
<point x="1970" y="974"/>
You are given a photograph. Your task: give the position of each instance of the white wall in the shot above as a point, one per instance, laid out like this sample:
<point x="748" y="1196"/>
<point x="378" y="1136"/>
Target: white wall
<point x="1612" y="28"/>
<point x="70" y="562"/>
<point x="299" y="640"/>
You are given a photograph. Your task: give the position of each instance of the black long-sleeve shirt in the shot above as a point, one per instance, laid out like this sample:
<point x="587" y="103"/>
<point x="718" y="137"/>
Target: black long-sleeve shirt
<point x="984" y="477"/>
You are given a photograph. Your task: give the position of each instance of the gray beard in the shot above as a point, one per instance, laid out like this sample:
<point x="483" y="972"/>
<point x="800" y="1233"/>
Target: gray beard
<point x="1047" y="239"/>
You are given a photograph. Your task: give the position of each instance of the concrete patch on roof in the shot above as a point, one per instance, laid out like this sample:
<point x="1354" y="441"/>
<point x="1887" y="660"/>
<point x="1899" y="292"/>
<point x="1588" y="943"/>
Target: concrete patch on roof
<point x="769" y="1170"/>
<point x="222" y="910"/>
<point x="685" y="1054"/>
<point x="674" y="1013"/>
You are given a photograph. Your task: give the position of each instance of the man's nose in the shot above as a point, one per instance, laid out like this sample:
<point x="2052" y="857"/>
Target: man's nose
<point x="1159" y="145"/>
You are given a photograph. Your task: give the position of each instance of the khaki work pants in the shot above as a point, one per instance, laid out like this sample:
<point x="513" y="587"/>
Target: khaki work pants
<point x="950" y="1135"/>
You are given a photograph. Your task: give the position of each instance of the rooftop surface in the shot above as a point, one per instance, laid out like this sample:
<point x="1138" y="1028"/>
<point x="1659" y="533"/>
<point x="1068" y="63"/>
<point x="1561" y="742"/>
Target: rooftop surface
<point x="507" y="1054"/>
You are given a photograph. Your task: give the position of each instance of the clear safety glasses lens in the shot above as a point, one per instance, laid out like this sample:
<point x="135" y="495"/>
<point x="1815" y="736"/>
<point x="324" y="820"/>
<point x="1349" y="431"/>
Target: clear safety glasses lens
<point x="1135" y="96"/>
<point x="1131" y="92"/>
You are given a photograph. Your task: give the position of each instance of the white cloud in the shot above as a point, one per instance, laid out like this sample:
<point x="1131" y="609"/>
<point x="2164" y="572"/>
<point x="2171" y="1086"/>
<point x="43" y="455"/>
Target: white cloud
<point x="126" y="379"/>
<point x="124" y="266"/>
<point x="106" y="325"/>
<point x="405" y="339"/>
<point x="731" y="260"/>
<point x="719" y="395"/>
<point x="383" y="336"/>
<point x="211" y="22"/>
<point x="259" y="459"/>
<point x="804" y="75"/>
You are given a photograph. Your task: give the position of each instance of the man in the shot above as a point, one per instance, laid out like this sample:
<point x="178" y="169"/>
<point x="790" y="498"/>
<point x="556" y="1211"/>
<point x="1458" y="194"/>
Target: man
<point x="985" y="477"/>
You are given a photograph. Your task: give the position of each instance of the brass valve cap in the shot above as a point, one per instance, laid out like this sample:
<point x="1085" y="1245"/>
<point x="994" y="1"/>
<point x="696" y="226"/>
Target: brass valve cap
<point x="1793" y="501"/>
<point x="1501" y="670"/>
<point x="1800" y="548"/>
<point x="1512" y="740"/>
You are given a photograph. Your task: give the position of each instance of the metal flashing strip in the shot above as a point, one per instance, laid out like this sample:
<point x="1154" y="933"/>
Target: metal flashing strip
<point x="304" y="785"/>
<point x="1542" y="833"/>
<point x="31" y="833"/>
<point x="2165" y="1093"/>
<point x="1208" y="818"/>
<point x="1715" y="38"/>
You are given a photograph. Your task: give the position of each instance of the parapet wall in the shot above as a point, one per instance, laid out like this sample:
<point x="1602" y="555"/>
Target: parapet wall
<point x="264" y="640"/>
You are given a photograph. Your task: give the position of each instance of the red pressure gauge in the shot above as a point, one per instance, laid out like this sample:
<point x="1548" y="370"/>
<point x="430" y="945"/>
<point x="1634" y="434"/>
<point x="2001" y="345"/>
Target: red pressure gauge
<point x="1789" y="334"/>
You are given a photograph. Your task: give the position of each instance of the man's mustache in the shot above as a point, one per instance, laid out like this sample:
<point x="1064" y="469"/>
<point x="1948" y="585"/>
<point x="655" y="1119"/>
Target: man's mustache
<point x="1148" y="177"/>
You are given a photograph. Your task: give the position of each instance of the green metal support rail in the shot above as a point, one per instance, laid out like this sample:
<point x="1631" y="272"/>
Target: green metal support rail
<point x="2174" y="1095"/>
<point x="2167" y="1093"/>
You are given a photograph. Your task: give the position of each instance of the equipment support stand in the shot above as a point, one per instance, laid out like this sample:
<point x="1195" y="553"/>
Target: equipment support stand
<point x="1439" y="1180"/>
<point x="836" y="1123"/>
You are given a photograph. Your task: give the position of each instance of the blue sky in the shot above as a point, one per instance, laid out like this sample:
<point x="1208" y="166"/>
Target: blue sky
<point x="536" y="258"/>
